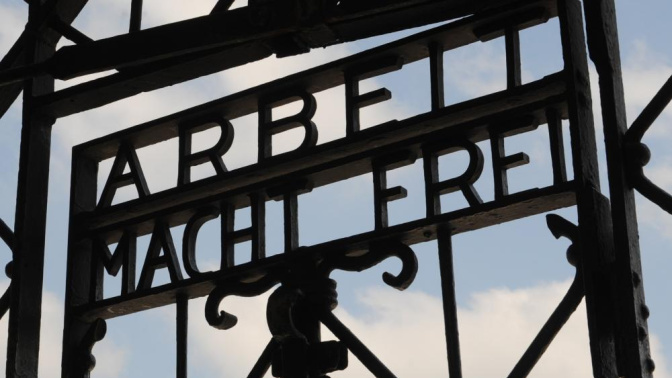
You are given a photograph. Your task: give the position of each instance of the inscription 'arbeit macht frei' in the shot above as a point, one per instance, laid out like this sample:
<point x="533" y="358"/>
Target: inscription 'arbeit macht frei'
<point x="161" y="253"/>
<point x="284" y="177"/>
<point x="161" y="238"/>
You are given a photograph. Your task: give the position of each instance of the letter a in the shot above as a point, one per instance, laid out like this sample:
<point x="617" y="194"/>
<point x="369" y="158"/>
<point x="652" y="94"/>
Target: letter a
<point x="119" y="179"/>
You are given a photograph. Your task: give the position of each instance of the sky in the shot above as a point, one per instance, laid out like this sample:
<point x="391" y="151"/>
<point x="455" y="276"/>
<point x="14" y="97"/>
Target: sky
<point x="509" y="278"/>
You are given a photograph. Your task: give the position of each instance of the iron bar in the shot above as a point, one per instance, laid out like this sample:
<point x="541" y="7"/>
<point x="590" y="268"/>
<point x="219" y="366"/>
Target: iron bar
<point x="551" y="328"/>
<point x="357" y="348"/>
<point x="19" y="74"/>
<point x="175" y="70"/>
<point x="436" y="51"/>
<point x="66" y="10"/>
<point x="136" y="16"/>
<point x="592" y="207"/>
<point x="83" y="283"/>
<point x="222" y="6"/>
<point x="7" y="235"/>
<point x="182" y="323"/>
<point x="651" y="112"/>
<point x="513" y="63"/>
<point x="68" y="31"/>
<point x="554" y="120"/>
<point x="23" y="341"/>
<point x="5" y="301"/>
<point x="444" y="238"/>
<point x="634" y="359"/>
<point x="236" y="27"/>
<point x="262" y="365"/>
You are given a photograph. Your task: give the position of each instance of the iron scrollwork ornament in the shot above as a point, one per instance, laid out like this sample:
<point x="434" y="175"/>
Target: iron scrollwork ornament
<point x="224" y="320"/>
<point x="86" y="361"/>
<point x="306" y="298"/>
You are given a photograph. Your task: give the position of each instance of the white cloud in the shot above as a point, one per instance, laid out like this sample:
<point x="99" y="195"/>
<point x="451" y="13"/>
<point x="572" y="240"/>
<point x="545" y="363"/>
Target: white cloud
<point x="644" y="73"/>
<point x="405" y="330"/>
<point x="13" y="16"/>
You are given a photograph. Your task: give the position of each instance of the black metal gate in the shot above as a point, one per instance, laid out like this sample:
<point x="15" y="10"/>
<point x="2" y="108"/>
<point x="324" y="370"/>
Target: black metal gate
<point x="604" y="246"/>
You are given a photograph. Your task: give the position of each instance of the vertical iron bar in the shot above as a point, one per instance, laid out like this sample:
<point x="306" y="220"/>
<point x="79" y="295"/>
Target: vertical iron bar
<point x="592" y="207"/>
<point x="79" y="278"/>
<point x="381" y="219"/>
<point x="182" y="323"/>
<point x="258" y="227"/>
<point x="136" y="16"/>
<point x="557" y="146"/>
<point x="291" y="221"/>
<point x="444" y="239"/>
<point x="436" y="75"/>
<point x="513" y="70"/>
<point x="31" y="212"/>
<point x="632" y="340"/>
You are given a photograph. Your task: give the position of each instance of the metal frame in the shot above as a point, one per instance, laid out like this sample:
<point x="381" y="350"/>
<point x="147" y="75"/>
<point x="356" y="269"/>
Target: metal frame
<point x="604" y="246"/>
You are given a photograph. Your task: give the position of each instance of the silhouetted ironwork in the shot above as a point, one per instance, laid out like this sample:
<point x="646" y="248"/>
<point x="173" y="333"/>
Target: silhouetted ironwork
<point x="604" y="246"/>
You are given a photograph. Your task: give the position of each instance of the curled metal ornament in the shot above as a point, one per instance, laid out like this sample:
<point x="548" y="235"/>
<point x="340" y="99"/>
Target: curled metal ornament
<point x="561" y="227"/>
<point x="279" y="313"/>
<point x="224" y="320"/>
<point x="378" y="252"/>
<point x="96" y="332"/>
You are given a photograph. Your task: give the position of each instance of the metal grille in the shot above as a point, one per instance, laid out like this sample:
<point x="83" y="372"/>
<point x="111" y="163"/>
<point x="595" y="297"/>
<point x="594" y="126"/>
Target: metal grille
<point x="604" y="246"/>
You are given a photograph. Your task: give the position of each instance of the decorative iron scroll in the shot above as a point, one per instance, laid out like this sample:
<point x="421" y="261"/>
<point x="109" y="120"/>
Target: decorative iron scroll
<point x="307" y="292"/>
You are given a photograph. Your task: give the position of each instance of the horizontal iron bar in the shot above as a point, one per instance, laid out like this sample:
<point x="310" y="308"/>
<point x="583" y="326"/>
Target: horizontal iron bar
<point x="138" y="79"/>
<point x="330" y="162"/>
<point x="66" y="11"/>
<point x="165" y="41"/>
<point x="246" y="25"/>
<point x="512" y="207"/>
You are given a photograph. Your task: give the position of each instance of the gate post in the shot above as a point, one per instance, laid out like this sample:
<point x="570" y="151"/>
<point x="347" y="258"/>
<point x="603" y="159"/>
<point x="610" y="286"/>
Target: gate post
<point x="634" y="355"/>
<point x="592" y="207"/>
<point x="23" y="342"/>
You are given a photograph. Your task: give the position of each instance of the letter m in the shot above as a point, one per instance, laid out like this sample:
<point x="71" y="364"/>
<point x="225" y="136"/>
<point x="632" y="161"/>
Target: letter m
<point x="123" y="256"/>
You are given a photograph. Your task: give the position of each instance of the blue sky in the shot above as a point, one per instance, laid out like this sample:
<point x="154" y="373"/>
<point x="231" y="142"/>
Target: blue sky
<point x="508" y="277"/>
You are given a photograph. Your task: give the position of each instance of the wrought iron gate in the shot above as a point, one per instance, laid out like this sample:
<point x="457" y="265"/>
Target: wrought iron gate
<point x="604" y="246"/>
